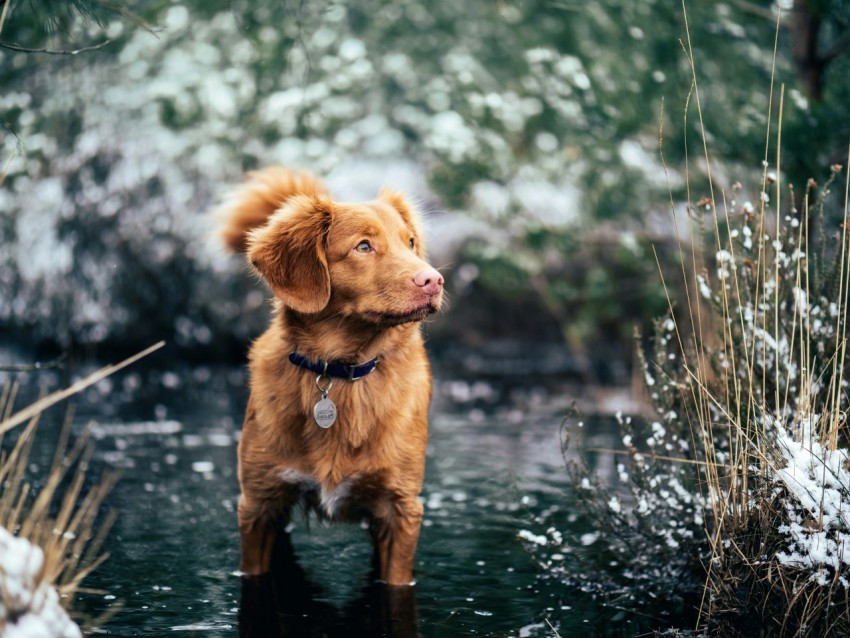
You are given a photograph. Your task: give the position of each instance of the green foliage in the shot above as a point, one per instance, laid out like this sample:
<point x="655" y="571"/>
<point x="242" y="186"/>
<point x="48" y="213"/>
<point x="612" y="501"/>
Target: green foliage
<point x="35" y="23"/>
<point x="555" y="107"/>
<point x="514" y="73"/>
<point x="597" y="286"/>
<point x="58" y="17"/>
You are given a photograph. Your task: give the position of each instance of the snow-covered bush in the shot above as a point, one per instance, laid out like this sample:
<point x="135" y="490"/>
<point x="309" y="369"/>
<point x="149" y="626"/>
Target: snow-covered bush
<point x="509" y="111"/>
<point x="732" y="508"/>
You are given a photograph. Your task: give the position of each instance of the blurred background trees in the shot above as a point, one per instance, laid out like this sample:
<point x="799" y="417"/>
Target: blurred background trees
<point x="531" y="130"/>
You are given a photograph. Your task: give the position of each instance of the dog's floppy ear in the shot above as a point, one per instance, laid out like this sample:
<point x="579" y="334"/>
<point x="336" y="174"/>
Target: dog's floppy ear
<point x="289" y="252"/>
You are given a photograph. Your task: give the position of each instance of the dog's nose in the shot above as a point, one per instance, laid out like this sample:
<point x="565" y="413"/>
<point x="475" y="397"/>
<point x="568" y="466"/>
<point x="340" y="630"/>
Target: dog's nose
<point x="429" y="280"/>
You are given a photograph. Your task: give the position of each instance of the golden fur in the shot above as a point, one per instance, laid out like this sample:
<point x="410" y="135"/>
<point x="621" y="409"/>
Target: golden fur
<point x="335" y="301"/>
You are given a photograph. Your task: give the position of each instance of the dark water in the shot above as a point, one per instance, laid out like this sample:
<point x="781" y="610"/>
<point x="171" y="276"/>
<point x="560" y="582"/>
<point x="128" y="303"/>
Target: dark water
<point x="494" y="461"/>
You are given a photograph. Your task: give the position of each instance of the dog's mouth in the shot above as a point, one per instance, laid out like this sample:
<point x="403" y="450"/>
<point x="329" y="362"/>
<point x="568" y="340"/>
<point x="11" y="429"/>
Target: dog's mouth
<point x="388" y="319"/>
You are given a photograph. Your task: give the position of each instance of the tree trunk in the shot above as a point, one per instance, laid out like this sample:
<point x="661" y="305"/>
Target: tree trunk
<point x="805" y="34"/>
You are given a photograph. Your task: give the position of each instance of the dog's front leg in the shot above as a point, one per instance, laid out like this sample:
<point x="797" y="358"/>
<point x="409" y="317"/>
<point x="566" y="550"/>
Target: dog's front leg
<point x="257" y="536"/>
<point x="395" y="539"/>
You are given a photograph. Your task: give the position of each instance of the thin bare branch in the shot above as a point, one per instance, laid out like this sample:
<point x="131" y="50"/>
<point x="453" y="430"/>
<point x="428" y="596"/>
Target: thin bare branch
<point x="39" y="406"/>
<point x="754" y="9"/>
<point x="22" y="49"/>
<point x="33" y="367"/>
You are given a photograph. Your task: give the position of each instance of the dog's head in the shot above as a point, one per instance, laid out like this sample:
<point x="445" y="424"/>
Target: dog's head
<point x="364" y="260"/>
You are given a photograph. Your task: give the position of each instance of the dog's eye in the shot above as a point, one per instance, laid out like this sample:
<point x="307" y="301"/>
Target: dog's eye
<point x="413" y="243"/>
<point x="363" y="247"/>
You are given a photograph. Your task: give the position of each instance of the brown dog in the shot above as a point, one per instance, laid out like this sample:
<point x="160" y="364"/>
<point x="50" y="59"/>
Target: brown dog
<point x="340" y="384"/>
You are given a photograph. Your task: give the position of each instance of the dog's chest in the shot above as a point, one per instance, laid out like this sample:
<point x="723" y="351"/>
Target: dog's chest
<point x="354" y="498"/>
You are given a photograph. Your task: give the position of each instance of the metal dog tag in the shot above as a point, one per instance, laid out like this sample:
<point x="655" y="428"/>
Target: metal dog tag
<point x="324" y="413"/>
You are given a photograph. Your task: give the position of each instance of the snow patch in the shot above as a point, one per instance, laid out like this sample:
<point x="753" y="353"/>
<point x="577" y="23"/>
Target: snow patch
<point x="29" y="606"/>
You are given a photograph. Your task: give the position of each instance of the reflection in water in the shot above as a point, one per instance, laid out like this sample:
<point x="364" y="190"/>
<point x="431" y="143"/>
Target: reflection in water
<point x="287" y="603"/>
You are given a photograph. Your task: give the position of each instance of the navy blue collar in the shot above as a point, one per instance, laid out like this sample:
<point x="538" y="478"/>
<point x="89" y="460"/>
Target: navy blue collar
<point x="331" y="369"/>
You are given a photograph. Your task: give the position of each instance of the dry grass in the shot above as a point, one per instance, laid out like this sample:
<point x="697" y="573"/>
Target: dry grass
<point x="773" y="380"/>
<point x="733" y="513"/>
<point x="765" y="405"/>
<point x="63" y="514"/>
<point x="775" y="385"/>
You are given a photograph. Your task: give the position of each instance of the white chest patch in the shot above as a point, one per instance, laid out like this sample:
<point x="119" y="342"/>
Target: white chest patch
<point x="288" y="475"/>
<point x="330" y="501"/>
<point x="335" y="499"/>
